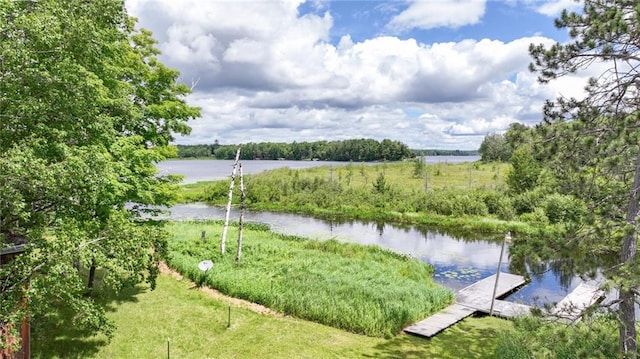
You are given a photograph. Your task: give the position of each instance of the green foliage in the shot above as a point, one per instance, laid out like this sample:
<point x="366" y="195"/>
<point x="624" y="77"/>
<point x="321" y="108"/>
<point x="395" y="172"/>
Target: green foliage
<point x="311" y="191"/>
<point x="362" y="289"/>
<point x="419" y="166"/>
<point x="563" y="208"/>
<point x="525" y="170"/>
<point x="536" y="338"/>
<point x="591" y="144"/>
<point x="87" y="109"/>
<point x="359" y="150"/>
<point x="380" y="185"/>
<point x="518" y="135"/>
<point x="528" y="201"/>
<point x="494" y="147"/>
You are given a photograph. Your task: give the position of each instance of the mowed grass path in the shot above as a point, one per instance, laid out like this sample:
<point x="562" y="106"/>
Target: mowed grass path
<point x="196" y="325"/>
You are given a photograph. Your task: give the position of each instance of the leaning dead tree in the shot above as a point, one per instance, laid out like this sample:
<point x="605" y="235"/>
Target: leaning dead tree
<point x="243" y="195"/>
<point x="226" y="218"/>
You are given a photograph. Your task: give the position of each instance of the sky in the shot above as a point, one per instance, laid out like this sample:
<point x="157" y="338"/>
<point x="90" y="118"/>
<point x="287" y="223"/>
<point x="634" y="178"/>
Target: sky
<point x="433" y="74"/>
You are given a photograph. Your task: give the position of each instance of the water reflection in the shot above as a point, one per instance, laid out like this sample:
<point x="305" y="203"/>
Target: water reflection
<point x="458" y="260"/>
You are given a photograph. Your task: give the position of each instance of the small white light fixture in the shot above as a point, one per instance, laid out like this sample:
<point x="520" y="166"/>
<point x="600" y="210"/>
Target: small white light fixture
<point x="205" y="265"/>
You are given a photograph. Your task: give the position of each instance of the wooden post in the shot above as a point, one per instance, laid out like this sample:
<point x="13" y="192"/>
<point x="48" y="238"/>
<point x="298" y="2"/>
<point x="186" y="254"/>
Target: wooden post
<point x="243" y="195"/>
<point x="507" y="238"/>
<point x="426" y="182"/>
<point x="226" y="218"/>
<point x="203" y="236"/>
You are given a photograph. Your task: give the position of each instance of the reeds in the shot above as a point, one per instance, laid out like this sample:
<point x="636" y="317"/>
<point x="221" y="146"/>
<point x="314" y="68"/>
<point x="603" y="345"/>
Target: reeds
<point x="362" y="289"/>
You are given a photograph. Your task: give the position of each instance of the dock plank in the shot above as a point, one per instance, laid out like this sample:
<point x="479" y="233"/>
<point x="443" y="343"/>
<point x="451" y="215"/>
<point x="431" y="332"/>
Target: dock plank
<point x="440" y="321"/>
<point x="576" y="302"/>
<point x="479" y="294"/>
<point x="505" y="309"/>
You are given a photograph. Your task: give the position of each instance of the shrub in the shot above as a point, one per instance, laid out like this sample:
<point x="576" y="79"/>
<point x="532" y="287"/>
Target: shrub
<point x="527" y="202"/>
<point x="537" y="217"/>
<point x="537" y="338"/>
<point x="563" y="208"/>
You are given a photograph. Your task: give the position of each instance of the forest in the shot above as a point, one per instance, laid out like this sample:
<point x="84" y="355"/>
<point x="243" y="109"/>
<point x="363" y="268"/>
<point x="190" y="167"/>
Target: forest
<point x="356" y="150"/>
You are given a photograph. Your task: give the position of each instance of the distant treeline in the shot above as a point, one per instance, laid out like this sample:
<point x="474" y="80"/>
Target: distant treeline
<point x="359" y="150"/>
<point x="445" y="153"/>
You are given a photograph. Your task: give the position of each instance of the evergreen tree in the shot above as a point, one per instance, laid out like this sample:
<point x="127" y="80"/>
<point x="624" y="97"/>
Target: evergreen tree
<point x="592" y="143"/>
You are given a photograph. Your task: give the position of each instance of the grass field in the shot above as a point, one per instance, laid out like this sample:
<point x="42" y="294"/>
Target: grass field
<point x="196" y="326"/>
<point x="403" y="175"/>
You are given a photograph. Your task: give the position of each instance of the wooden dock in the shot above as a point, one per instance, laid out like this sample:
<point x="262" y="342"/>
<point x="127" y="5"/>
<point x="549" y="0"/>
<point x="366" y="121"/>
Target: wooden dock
<point x="573" y="305"/>
<point x="440" y="321"/>
<point x="477" y="298"/>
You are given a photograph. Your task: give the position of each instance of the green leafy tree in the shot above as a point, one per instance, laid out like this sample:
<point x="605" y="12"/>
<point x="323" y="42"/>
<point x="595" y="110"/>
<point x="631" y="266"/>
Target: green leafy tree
<point x="523" y="174"/>
<point x="494" y="147"/>
<point x="86" y="110"/>
<point x="592" y="143"/>
<point x="519" y="134"/>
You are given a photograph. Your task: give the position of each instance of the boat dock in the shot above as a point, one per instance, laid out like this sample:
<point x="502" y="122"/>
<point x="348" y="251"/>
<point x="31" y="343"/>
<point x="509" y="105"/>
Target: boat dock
<point x="478" y="296"/>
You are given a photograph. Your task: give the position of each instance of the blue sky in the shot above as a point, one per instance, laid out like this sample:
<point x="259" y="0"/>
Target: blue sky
<point x="432" y="74"/>
<point x="501" y="20"/>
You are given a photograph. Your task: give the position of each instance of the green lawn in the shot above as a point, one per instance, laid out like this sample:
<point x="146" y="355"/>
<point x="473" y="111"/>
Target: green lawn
<point x="196" y="325"/>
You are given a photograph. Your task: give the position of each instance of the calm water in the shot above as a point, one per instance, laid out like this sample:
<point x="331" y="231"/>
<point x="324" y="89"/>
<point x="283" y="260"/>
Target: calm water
<point x="207" y="170"/>
<point x="458" y="261"/>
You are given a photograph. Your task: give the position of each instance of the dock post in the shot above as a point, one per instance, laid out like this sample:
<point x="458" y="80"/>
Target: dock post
<point x="506" y="239"/>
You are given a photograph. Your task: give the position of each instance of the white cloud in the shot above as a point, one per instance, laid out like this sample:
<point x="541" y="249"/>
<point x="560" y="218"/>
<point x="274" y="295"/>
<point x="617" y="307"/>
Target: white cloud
<point x="443" y="13"/>
<point x="267" y="73"/>
<point x="553" y="8"/>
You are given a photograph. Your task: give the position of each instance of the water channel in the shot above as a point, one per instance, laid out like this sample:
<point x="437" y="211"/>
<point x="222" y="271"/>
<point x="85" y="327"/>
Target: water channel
<point x="458" y="261"/>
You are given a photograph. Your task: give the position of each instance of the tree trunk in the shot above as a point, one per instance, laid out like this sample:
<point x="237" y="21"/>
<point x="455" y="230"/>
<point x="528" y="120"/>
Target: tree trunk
<point x="241" y="221"/>
<point x="628" y="340"/>
<point x="92" y="274"/>
<point x="225" y="229"/>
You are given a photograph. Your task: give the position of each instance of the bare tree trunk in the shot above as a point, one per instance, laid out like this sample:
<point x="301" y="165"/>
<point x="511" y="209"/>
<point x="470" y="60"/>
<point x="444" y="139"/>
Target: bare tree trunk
<point x="628" y="340"/>
<point x="243" y="195"/>
<point x="223" y="242"/>
<point x="92" y="274"/>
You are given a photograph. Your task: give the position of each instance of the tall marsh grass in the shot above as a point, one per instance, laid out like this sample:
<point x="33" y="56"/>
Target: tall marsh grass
<point x="469" y="195"/>
<point x="362" y="289"/>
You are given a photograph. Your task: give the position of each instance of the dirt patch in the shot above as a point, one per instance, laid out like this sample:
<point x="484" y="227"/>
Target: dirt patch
<point x="164" y="269"/>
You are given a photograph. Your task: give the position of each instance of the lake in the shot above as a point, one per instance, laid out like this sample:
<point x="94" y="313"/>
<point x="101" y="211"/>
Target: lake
<point x="458" y="261"/>
<point x="207" y="170"/>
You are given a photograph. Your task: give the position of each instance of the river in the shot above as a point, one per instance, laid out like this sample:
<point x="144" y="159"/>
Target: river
<point x="458" y="261"/>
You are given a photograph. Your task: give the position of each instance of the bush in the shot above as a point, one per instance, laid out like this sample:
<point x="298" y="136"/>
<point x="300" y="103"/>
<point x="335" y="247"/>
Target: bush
<point x="537" y="338"/>
<point x="537" y="217"/>
<point x="562" y="208"/>
<point x="528" y="201"/>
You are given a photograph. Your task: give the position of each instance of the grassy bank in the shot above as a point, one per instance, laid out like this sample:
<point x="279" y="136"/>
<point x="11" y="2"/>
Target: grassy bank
<point x="461" y="196"/>
<point x="361" y="289"/>
<point x="196" y="326"/>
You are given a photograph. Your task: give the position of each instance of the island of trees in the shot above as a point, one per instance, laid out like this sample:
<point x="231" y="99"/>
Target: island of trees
<point x="357" y="150"/>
